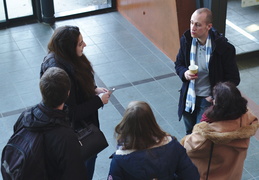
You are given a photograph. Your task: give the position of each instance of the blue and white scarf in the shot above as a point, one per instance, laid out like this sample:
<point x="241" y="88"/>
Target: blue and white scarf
<point x="191" y="96"/>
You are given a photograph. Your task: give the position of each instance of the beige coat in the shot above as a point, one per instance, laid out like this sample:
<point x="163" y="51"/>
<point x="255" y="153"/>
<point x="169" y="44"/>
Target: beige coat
<point x="231" y="140"/>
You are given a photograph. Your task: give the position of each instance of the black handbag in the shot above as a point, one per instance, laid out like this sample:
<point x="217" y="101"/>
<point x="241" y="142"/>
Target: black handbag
<point x="92" y="141"/>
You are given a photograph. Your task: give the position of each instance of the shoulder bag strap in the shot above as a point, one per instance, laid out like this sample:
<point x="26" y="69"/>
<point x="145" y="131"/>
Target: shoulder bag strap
<point x="211" y="151"/>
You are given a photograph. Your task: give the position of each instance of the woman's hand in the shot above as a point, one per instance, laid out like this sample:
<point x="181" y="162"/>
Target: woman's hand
<point x="105" y="97"/>
<point x="100" y="90"/>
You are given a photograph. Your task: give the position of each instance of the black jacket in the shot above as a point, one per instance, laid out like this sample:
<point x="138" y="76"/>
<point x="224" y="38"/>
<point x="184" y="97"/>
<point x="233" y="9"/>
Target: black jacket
<point x="80" y="111"/>
<point x="61" y="146"/>
<point x="222" y="64"/>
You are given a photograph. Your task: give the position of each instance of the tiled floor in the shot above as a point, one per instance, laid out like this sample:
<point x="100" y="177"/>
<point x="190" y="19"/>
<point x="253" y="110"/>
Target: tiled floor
<point x="123" y="58"/>
<point x="242" y="26"/>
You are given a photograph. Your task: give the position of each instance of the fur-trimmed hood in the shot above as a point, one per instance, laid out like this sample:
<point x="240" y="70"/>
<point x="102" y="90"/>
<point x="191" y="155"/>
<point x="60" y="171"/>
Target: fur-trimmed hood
<point x="231" y="141"/>
<point x="218" y="133"/>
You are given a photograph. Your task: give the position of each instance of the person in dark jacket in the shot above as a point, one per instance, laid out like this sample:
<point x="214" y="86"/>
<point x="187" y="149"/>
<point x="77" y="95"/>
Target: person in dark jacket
<point x="145" y="151"/>
<point x="61" y="147"/>
<point x="65" y="50"/>
<point x="215" y="57"/>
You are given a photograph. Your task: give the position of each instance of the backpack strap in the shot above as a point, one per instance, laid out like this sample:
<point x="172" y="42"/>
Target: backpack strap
<point x="211" y="151"/>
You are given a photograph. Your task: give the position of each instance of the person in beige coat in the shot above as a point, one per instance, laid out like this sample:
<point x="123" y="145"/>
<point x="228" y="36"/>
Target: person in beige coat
<point x="218" y="145"/>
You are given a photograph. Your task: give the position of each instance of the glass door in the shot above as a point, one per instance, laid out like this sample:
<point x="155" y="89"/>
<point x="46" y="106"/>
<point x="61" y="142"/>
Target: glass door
<point x="2" y="12"/>
<point x="72" y="7"/>
<point x="15" y="9"/>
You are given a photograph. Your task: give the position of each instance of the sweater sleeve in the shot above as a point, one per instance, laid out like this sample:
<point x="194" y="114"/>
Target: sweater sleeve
<point x="85" y="109"/>
<point x="180" y="65"/>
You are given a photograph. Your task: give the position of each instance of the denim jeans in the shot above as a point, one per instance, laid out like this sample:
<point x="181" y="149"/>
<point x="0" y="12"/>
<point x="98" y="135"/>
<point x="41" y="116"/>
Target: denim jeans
<point x="190" y="119"/>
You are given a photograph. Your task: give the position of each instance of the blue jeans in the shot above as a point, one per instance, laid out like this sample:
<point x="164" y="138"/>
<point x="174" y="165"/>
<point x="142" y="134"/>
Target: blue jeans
<point x="90" y="165"/>
<point x="190" y="119"/>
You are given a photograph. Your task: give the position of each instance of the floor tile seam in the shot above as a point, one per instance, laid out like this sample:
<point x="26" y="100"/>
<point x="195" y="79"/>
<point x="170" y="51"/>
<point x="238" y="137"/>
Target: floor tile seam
<point x="100" y="83"/>
<point x="248" y="172"/>
<point x="114" y="100"/>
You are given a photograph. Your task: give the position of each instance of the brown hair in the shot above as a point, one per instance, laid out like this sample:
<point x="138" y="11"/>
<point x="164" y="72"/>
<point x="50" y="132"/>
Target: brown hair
<point x="63" y="44"/>
<point x="229" y="103"/>
<point x="54" y="87"/>
<point x="138" y="128"/>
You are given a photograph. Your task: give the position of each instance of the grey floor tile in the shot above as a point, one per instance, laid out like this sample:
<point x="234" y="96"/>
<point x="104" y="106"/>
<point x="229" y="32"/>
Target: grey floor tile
<point x="137" y="74"/>
<point x="105" y="69"/>
<point x="22" y="87"/>
<point x="246" y="175"/>
<point x="33" y="51"/>
<point x="92" y="50"/>
<point x="23" y="35"/>
<point x="140" y="50"/>
<point x="109" y="46"/>
<point x="30" y="99"/>
<point x="114" y="26"/>
<point x="40" y="29"/>
<point x="129" y="42"/>
<point x="119" y="55"/>
<point x="12" y="103"/>
<point x="11" y="57"/>
<point x="124" y="34"/>
<point x="102" y="38"/>
<point x="126" y="95"/>
<point x="27" y="43"/>
<point x="21" y="75"/>
<point x="8" y="47"/>
<point x="98" y="59"/>
<point x="11" y="66"/>
<point x="114" y="79"/>
<point x="35" y="61"/>
<point x="8" y="90"/>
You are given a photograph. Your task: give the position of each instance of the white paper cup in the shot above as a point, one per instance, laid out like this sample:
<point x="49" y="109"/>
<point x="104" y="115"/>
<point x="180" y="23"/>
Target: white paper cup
<point x="193" y="69"/>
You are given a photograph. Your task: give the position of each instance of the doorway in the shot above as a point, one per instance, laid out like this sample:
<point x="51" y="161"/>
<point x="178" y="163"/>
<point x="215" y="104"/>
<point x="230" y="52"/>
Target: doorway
<point x="13" y="12"/>
<point x="72" y="7"/>
<point x="13" y="9"/>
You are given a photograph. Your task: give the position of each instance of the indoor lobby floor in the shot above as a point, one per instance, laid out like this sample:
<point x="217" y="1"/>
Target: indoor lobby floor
<point x="123" y="58"/>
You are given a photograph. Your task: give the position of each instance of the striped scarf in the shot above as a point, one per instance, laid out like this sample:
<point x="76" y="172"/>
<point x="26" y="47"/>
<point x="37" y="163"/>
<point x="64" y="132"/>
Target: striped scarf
<point x="191" y="96"/>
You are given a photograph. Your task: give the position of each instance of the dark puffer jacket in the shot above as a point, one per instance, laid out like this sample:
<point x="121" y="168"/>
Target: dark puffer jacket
<point x="62" y="149"/>
<point x="167" y="162"/>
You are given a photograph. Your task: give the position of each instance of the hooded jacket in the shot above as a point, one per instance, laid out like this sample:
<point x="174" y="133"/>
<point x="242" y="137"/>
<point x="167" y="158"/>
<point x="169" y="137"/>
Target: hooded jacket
<point x="222" y="64"/>
<point x="164" y="163"/>
<point x="61" y="146"/>
<point x="231" y="140"/>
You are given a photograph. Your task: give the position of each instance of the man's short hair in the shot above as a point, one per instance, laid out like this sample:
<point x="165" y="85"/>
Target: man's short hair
<point x="209" y="18"/>
<point x="54" y="87"/>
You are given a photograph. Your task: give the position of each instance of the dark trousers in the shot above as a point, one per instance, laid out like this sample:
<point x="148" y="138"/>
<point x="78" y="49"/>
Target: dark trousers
<point x="90" y="165"/>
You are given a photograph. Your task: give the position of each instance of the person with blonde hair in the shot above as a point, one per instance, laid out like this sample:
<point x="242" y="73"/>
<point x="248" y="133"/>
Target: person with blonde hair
<point x="145" y="151"/>
<point x="218" y="145"/>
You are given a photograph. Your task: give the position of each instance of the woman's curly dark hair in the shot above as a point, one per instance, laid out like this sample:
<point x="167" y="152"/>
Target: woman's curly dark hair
<point x="228" y="103"/>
